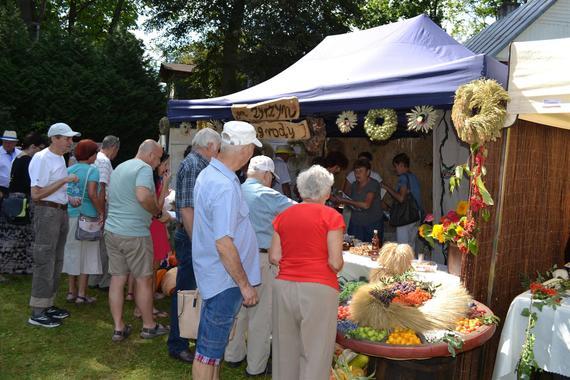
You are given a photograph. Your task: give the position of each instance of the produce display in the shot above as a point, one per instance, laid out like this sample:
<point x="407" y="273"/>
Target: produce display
<point x="361" y="249"/>
<point x="403" y="336"/>
<point x="368" y="333"/>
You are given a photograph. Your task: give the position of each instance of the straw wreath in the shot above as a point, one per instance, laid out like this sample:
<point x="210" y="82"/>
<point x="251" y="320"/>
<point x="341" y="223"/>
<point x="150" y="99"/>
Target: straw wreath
<point x="346" y="121"/>
<point x="380" y="132"/>
<point x="422" y="118"/>
<point x="479" y="111"/>
<point x="449" y="303"/>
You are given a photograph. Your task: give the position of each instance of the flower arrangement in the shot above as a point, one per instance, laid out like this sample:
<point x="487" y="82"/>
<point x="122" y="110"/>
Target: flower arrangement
<point x="346" y="121"/>
<point x="383" y="131"/>
<point x="422" y="118"/>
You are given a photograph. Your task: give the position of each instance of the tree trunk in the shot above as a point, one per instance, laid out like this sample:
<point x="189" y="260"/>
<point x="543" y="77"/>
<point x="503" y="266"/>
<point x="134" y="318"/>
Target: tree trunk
<point x="116" y="16"/>
<point x="71" y="16"/>
<point x="230" y="48"/>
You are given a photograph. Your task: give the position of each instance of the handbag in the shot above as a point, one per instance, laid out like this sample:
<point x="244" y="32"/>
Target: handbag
<point x="189" y="309"/>
<point x="88" y="227"/>
<point x="406" y="212"/>
<point x="16" y="209"/>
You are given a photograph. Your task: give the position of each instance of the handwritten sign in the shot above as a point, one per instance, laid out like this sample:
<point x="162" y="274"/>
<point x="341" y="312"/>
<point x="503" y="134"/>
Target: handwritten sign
<point x="282" y="130"/>
<point x="271" y="110"/>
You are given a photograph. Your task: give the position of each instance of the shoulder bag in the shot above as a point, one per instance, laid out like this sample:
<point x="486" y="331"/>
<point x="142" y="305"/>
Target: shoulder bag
<point x="406" y="212"/>
<point x="88" y="227"/>
<point x="16" y="209"/>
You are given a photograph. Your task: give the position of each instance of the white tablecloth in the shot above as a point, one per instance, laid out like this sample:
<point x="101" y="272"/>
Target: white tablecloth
<point x="357" y="267"/>
<point x="552" y="345"/>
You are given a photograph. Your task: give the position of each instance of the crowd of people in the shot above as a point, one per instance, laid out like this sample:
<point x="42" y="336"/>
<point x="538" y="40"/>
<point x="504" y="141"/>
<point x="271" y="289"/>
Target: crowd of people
<point x="263" y="262"/>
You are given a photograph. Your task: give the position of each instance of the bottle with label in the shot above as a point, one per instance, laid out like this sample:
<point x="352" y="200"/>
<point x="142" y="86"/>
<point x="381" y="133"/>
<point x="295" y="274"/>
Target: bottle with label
<point x="375" y="246"/>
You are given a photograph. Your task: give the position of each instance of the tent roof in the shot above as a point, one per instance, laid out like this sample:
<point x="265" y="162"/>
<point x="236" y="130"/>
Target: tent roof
<point x="398" y="65"/>
<point x="538" y="84"/>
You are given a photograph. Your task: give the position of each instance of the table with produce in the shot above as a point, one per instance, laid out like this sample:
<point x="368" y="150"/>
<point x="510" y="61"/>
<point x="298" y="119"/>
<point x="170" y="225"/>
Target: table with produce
<point x="400" y="318"/>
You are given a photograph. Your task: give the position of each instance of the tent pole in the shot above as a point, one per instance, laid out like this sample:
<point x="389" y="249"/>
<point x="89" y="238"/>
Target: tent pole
<point x="499" y="215"/>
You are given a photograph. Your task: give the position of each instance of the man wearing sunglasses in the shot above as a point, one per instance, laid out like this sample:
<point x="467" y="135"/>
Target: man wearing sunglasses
<point x="264" y="205"/>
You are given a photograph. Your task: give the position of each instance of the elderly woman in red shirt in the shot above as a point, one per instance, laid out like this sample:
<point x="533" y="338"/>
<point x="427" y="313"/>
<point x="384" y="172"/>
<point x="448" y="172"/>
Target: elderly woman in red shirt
<point x="307" y="246"/>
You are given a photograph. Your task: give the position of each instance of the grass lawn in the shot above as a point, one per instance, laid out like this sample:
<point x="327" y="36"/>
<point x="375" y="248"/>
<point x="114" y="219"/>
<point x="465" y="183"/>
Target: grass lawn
<point x="81" y="348"/>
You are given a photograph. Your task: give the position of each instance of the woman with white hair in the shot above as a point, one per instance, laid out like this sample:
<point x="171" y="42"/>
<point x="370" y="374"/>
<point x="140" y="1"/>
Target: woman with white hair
<point x="307" y="246"/>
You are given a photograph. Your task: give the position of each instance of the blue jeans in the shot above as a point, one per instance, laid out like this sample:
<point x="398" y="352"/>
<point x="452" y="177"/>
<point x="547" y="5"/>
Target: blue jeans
<point x="185" y="280"/>
<point x="216" y="322"/>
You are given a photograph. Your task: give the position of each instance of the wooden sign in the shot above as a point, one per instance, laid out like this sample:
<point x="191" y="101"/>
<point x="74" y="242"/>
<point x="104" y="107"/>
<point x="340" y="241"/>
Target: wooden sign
<point x="271" y="110"/>
<point x="282" y="130"/>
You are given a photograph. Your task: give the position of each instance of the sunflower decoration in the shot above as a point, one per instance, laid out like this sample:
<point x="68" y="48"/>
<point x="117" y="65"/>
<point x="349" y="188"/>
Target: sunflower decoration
<point x="422" y="118"/>
<point x="382" y="131"/>
<point x="479" y="111"/>
<point x="346" y="121"/>
<point x="216" y="125"/>
<point x="185" y="127"/>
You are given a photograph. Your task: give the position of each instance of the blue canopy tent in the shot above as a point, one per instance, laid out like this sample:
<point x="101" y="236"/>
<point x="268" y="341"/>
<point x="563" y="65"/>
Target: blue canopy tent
<point x="400" y="65"/>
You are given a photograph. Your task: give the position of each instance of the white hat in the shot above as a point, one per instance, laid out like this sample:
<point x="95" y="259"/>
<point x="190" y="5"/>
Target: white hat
<point x="62" y="129"/>
<point x="262" y="163"/>
<point x="239" y="133"/>
<point x="9" y="136"/>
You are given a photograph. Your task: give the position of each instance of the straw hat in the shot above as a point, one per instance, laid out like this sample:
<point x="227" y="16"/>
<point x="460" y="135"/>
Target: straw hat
<point x="9" y="136"/>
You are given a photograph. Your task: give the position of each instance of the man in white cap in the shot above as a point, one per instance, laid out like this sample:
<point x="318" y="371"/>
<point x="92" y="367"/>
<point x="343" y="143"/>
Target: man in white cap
<point x="264" y="205"/>
<point x="282" y="154"/>
<point x="8" y="153"/>
<point x="48" y="181"/>
<point x="225" y="255"/>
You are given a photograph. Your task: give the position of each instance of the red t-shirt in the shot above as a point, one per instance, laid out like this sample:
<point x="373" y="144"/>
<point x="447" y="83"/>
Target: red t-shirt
<point x="303" y="231"/>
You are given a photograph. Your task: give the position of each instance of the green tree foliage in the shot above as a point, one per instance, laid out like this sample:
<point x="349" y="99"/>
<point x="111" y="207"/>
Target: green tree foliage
<point x="98" y="87"/>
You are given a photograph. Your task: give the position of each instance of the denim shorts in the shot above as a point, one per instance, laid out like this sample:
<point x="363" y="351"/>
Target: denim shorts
<point x="216" y="322"/>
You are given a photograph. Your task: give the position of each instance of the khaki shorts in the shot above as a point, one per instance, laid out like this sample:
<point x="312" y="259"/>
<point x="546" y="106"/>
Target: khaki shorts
<point x="129" y="254"/>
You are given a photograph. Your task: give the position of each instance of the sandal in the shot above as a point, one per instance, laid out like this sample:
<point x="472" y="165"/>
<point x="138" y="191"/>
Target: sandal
<point x="85" y="300"/>
<point x="130" y="296"/>
<point x="157" y="330"/>
<point x="70" y="297"/>
<point x="157" y="313"/>
<point x="119" y="336"/>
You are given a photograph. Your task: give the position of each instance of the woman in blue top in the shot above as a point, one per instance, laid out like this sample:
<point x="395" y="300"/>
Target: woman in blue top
<point x="81" y="258"/>
<point x="407" y="183"/>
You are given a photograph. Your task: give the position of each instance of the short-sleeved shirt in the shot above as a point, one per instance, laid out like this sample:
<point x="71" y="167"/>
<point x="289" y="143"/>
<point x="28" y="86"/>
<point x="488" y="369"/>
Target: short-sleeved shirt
<point x="46" y="168"/>
<point x="303" y="231"/>
<point x="364" y="217"/>
<point x="264" y="205"/>
<point x="105" y="170"/>
<point x="75" y="189"/>
<point x="351" y="178"/>
<point x="282" y="172"/>
<point x="220" y="210"/>
<point x="6" y="160"/>
<point x="188" y="171"/>
<point x="126" y="216"/>
<point x="413" y="185"/>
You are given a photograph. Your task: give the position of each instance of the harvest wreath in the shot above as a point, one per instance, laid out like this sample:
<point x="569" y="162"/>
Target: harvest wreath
<point x="383" y="131"/>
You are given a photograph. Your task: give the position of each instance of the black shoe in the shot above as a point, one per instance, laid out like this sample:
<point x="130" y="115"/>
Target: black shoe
<point x="184" y="356"/>
<point x="44" y="321"/>
<point x="264" y="373"/>
<point x="57" y="313"/>
<point x="235" y="364"/>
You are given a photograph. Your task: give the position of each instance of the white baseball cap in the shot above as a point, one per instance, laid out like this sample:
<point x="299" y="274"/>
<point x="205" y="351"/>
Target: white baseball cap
<point x="239" y="133"/>
<point x="262" y="163"/>
<point x="62" y="129"/>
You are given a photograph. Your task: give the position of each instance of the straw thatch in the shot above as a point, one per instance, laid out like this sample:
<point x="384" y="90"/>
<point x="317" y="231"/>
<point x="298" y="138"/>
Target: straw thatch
<point x="449" y="304"/>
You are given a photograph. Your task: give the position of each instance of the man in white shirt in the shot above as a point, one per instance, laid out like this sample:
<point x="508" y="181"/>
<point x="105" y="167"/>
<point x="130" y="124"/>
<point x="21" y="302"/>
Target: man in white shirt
<point x="109" y="150"/>
<point x="282" y="154"/>
<point x="8" y="152"/>
<point x="48" y="180"/>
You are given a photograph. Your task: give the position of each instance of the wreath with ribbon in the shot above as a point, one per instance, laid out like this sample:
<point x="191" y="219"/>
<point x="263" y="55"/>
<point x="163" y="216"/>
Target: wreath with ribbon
<point x="380" y="131"/>
<point x="346" y="121"/>
<point x="479" y="111"/>
<point x="422" y="118"/>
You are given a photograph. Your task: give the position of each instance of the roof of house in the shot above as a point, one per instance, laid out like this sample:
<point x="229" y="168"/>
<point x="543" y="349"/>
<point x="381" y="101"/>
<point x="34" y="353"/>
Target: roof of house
<point x="168" y="70"/>
<point x="500" y="34"/>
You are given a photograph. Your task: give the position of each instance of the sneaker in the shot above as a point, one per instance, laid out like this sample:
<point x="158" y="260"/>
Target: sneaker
<point x="44" y="321"/>
<point x="57" y="313"/>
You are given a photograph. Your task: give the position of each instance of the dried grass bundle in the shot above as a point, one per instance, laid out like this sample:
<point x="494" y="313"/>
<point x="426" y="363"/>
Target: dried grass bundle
<point x="394" y="259"/>
<point x="479" y="111"/>
<point x="441" y="312"/>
